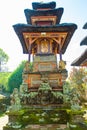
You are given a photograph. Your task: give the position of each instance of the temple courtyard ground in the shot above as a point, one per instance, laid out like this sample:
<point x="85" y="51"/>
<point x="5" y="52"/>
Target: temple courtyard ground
<point x="3" y="121"/>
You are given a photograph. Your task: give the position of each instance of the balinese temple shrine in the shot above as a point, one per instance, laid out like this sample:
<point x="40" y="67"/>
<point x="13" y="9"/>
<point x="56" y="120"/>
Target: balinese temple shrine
<point x="44" y="39"/>
<point x="82" y="59"/>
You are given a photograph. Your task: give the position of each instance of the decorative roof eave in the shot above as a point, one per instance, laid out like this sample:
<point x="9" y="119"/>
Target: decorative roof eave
<point x="84" y="63"/>
<point x="85" y="26"/>
<point x="84" y="41"/>
<point x="38" y="5"/>
<point x="21" y="28"/>
<point x="52" y="12"/>
<point x="49" y="19"/>
<point x="80" y="60"/>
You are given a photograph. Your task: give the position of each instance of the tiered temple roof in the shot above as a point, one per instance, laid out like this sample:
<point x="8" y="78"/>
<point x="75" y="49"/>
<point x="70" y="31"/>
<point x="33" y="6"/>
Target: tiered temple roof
<point x="44" y="21"/>
<point x="41" y="5"/>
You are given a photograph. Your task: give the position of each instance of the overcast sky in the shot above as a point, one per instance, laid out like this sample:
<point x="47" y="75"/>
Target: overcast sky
<point x="12" y="12"/>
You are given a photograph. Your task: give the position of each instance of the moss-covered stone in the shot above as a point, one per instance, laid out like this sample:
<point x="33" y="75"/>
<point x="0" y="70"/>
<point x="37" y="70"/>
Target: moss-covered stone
<point x="43" y="115"/>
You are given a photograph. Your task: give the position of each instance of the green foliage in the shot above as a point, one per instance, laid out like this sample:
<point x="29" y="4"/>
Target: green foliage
<point x="66" y="92"/>
<point x="15" y="78"/>
<point x="76" y="80"/>
<point x="4" y="80"/>
<point x="77" y="75"/>
<point x="71" y="96"/>
<point x="4" y="103"/>
<point x="3" y="57"/>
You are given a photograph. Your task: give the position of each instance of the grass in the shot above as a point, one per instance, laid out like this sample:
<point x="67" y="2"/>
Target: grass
<point x="2" y="114"/>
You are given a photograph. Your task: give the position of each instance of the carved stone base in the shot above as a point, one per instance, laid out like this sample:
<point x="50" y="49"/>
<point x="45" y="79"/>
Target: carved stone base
<point x="31" y="118"/>
<point x="42" y="127"/>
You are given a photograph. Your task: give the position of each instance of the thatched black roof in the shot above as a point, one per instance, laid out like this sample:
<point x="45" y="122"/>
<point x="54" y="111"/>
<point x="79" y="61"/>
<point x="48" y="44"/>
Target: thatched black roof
<point x="85" y="26"/>
<point x="80" y="60"/>
<point x="54" y="12"/>
<point x="41" y="5"/>
<point x="65" y="27"/>
<point x="84" y="41"/>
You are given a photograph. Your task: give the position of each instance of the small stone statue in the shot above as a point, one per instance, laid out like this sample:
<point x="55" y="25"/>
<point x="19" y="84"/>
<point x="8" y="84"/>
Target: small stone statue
<point x="24" y="92"/>
<point x="26" y="68"/>
<point x="15" y="100"/>
<point x="62" y="65"/>
<point x="44" y="93"/>
<point x="23" y="88"/>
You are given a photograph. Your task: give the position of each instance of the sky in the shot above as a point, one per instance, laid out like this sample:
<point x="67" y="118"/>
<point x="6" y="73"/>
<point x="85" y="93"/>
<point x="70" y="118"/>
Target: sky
<point x="12" y="12"/>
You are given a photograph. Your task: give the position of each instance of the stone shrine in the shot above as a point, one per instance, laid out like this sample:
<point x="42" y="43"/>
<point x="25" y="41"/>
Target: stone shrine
<point x="44" y="39"/>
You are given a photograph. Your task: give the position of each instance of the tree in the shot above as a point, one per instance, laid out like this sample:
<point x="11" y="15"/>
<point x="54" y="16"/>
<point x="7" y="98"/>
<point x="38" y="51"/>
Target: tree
<point x="3" y="58"/>
<point x="76" y="80"/>
<point x="4" y="80"/>
<point x="15" y="78"/>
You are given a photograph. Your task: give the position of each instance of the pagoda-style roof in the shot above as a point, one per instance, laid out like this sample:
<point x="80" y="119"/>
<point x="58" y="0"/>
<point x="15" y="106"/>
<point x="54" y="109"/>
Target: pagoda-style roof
<point x="52" y="12"/>
<point x="85" y="26"/>
<point x="84" y="41"/>
<point x="81" y="61"/>
<point x="41" y="5"/>
<point x="64" y="30"/>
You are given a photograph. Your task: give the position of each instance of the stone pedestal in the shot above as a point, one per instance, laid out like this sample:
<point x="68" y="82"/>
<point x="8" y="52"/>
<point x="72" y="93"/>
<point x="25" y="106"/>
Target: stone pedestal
<point x="43" y="118"/>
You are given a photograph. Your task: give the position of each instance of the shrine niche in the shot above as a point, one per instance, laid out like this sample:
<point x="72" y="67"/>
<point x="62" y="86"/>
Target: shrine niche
<point x="44" y="46"/>
<point x="51" y="42"/>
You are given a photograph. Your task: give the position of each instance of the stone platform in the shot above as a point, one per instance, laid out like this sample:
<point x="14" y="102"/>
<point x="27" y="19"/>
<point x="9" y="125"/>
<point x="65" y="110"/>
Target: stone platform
<point x="41" y="127"/>
<point x="37" y="119"/>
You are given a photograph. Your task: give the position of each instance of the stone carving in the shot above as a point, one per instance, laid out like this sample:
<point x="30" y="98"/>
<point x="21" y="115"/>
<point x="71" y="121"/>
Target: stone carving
<point x="23" y="92"/>
<point x="28" y="67"/>
<point x="23" y="88"/>
<point x="15" y="100"/>
<point x="44" y="46"/>
<point x="44" y="95"/>
<point x="62" y="65"/>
